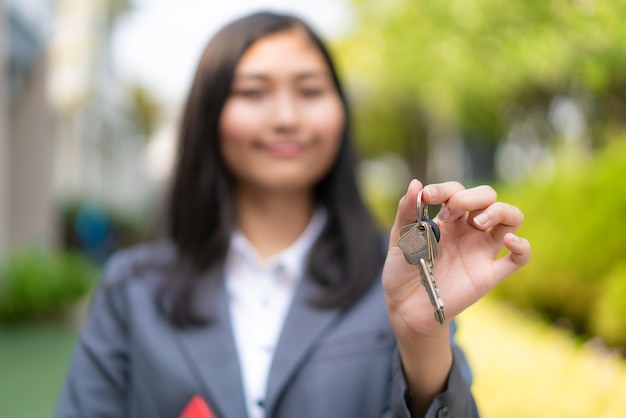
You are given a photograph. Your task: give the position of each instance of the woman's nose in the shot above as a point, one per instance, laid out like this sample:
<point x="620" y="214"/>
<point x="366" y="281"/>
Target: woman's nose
<point x="285" y="112"/>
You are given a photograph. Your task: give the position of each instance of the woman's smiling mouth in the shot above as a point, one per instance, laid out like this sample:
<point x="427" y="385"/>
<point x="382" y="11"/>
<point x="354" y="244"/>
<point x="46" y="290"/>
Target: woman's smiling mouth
<point x="284" y="149"/>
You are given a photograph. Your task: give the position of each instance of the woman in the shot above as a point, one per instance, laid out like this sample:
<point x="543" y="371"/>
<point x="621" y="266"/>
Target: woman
<point x="273" y="294"/>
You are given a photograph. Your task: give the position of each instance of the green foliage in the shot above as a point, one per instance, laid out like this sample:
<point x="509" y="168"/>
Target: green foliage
<point x="36" y="283"/>
<point x="424" y="70"/>
<point x="487" y="50"/>
<point x="575" y="222"/>
<point x="608" y="313"/>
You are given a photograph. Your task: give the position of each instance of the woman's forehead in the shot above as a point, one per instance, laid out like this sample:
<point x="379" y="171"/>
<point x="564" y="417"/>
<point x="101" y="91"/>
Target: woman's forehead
<point x="288" y="51"/>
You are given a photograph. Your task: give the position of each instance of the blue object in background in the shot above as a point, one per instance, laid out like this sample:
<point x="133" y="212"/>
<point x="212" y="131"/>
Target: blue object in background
<point x="94" y="233"/>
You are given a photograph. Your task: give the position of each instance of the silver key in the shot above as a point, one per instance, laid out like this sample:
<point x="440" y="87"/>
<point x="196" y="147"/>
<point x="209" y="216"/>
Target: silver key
<point x="428" y="281"/>
<point x="418" y="242"/>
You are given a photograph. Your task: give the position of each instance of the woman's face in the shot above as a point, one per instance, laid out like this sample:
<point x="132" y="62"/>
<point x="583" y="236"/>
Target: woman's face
<point x="281" y="126"/>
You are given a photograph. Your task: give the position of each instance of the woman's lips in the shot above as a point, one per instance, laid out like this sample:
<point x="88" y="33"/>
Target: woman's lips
<point x="286" y="149"/>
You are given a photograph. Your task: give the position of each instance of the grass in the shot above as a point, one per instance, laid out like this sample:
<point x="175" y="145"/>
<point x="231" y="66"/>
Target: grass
<point x="522" y="368"/>
<point x="33" y="360"/>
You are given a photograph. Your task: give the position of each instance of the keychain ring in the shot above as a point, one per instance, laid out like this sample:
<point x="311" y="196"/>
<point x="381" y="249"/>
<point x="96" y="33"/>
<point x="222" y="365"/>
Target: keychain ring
<point x="420" y="210"/>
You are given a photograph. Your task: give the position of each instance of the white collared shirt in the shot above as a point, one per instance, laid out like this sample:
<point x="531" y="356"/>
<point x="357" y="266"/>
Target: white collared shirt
<point x="260" y="293"/>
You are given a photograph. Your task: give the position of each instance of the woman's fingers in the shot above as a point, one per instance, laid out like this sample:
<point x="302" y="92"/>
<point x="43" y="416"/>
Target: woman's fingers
<point x="501" y="217"/>
<point x="478" y="204"/>
<point x="470" y="251"/>
<point x="435" y="194"/>
<point x="499" y="213"/>
<point x="518" y="257"/>
<point x="457" y="201"/>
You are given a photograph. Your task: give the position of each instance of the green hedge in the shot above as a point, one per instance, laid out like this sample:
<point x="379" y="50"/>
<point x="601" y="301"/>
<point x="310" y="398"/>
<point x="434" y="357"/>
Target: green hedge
<point x="38" y="283"/>
<point x="575" y="219"/>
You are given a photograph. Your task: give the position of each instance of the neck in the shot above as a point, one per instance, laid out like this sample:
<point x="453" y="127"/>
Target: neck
<point x="273" y="221"/>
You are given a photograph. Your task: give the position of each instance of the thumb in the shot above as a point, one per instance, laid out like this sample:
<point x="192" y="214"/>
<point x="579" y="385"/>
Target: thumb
<point x="407" y="209"/>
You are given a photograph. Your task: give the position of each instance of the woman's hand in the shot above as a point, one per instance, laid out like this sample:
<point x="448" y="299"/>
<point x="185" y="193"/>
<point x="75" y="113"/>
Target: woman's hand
<point x="474" y="229"/>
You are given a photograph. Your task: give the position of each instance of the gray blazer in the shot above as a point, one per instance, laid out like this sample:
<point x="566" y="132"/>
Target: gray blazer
<point x="129" y="361"/>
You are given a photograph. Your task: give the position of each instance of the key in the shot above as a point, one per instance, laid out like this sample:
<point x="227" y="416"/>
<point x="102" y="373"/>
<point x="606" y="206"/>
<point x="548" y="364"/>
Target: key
<point x="429" y="284"/>
<point x="418" y="242"/>
<point x="419" y="239"/>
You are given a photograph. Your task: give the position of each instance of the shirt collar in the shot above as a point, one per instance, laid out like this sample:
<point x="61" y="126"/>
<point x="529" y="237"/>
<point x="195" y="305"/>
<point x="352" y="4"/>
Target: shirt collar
<point x="292" y="260"/>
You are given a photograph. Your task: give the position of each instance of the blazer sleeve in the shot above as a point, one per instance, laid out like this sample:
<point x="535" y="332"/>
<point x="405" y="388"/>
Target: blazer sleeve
<point x="456" y="401"/>
<point x="97" y="379"/>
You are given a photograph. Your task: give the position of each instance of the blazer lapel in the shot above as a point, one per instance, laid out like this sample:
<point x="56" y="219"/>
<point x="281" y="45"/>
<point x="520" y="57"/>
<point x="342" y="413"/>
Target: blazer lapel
<point x="304" y="325"/>
<point x="211" y="354"/>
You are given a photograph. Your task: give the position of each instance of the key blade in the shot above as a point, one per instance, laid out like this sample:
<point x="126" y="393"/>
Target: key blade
<point x="440" y="317"/>
<point x="433" y="292"/>
<point x="433" y="246"/>
<point x="429" y="284"/>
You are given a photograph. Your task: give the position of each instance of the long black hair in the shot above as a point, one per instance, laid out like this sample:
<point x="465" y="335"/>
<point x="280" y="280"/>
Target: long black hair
<point x="347" y="257"/>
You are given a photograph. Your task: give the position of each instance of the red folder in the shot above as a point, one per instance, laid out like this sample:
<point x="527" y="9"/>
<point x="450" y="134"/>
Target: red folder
<point x="197" y="408"/>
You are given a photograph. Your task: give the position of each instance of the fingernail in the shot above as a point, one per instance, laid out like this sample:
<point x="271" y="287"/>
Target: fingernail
<point x="481" y="219"/>
<point x="412" y="183"/>
<point x="444" y="214"/>
<point x="514" y="238"/>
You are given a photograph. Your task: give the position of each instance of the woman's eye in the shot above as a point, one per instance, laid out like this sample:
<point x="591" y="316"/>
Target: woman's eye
<point x="312" y="92"/>
<point x="249" y="93"/>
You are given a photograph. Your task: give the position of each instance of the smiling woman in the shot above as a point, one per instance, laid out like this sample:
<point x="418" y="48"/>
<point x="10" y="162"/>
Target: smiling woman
<point x="281" y="126"/>
<point x="273" y="294"/>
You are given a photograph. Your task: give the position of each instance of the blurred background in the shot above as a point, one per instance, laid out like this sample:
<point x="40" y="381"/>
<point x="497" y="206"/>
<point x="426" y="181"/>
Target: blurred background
<point x="527" y="96"/>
